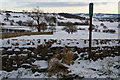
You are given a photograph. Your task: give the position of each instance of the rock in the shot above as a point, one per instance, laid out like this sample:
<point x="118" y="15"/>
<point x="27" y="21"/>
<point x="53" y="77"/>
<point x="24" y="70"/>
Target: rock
<point x="4" y="51"/>
<point x="34" y="55"/>
<point x="22" y="57"/>
<point x="4" y="57"/>
<point x="26" y="66"/>
<point x="40" y="66"/>
<point x="10" y="68"/>
<point x="92" y="69"/>
<point x="13" y="57"/>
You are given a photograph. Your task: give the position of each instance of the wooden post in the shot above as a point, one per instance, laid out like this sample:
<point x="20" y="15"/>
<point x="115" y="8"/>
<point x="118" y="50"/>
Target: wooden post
<point x="90" y="28"/>
<point x="90" y="36"/>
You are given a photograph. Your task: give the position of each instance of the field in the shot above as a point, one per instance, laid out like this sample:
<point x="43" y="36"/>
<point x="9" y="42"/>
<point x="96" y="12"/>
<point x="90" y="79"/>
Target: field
<point x="59" y="54"/>
<point x="10" y="35"/>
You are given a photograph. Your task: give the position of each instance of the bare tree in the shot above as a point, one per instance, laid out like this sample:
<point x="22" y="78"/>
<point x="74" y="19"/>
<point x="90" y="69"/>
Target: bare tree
<point x="43" y="26"/>
<point x="24" y="11"/>
<point x="70" y="28"/>
<point x="39" y="16"/>
<point x="51" y="20"/>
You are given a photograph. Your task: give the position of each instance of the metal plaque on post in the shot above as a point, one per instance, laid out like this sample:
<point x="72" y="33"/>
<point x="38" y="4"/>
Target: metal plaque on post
<point x="91" y="9"/>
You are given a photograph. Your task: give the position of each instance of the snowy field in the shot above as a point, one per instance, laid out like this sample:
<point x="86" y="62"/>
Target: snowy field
<point x="99" y="69"/>
<point x="60" y="34"/>
<point x="81" y="34"/>
<point x="18" y="48"/>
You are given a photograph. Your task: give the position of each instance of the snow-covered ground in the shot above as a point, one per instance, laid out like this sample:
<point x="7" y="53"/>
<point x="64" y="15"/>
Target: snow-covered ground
<point x="60" y="34"/>
<point x="100" y="68"/>
<point x="81" y="34"/>
<point x="17" y="27"/>
<point x="106" y="68"/>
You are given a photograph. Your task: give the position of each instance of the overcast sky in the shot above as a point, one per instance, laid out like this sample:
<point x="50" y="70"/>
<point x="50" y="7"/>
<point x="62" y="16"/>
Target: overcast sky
<point x="69" y="6"/>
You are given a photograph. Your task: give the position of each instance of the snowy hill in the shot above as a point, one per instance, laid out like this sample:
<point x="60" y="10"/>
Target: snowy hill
<point x="37" y="56"/>
<point x="99" y="15"/>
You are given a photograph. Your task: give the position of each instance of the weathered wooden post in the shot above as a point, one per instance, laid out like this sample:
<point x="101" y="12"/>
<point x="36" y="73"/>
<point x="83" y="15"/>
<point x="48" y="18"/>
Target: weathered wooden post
<point x="90" y="28"/>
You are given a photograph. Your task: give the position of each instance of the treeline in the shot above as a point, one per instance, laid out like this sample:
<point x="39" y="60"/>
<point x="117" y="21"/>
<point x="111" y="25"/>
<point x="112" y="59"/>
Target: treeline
<point x="66" y="15"/>
<point x="76" y="23"/>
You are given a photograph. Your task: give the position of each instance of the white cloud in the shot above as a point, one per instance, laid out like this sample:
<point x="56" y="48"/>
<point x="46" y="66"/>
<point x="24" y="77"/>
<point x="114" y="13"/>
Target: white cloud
<point x="63" y="0"/>
<point x="58" y="5"/>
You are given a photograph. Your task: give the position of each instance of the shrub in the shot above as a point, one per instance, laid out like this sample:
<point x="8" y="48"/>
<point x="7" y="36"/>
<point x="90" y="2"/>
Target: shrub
<point x="67" y="56"/>
<point x="29" y="23"/>
<point x="7" y="16"/>
<point x="70" y="28"/>
<point x="52" y="28"/>
<point x="43" y="26"/>
<point x="50" y="19"/>
<point x="19" y="23"/>
<point x="5" y="19"/>
<point x="102" y="24"/>
<point x="2" y="24"/>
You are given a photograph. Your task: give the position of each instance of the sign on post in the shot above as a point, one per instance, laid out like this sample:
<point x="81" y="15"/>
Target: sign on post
<point x="91" y="9"/>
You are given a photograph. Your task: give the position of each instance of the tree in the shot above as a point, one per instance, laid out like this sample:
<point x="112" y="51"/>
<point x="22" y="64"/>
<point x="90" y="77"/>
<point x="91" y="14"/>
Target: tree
<point x="70" y="28"/>
<point x="24" y="11"/>
<point x="105" y="27"/>
<point x="52" y="28"/>
<point x="43" y="26"/>
<point x="7" y="16"/>
<point x="29" y="23"/>
<point x="38" y="16"/>
<point x="19" y="23"/>
<point x="11" y="23"/>
<point x="51" y="20"/>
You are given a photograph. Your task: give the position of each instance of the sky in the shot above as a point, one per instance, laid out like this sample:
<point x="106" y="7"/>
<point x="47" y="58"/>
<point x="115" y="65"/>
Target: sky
<point x="58" y="6"/>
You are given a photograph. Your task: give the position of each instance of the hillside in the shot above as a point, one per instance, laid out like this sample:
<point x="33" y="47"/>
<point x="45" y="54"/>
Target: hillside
<point x="60" y="49"/>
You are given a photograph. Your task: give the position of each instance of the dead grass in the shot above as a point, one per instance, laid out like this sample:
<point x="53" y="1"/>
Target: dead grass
<point x="68" y="56"/>
<point x="55" y="67"/>
<point x="9" y="35"/>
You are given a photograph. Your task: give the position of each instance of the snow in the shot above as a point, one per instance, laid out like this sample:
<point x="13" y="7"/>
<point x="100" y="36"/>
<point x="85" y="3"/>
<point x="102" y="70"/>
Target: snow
<point x="9" y="49"/>
<point x="70" y="20"/>
<point x="22" y="73"/>
<point x="32" y="53"/>
<point x="22" y="54"/>
<point x="12" y="55"/>
<point x="17" y="50"/>
<point x="101" y="66"/>
<point x="81" y="34"/>
<point x="61" y="42"/>
<point x="99" y="15"/>
<point x="42" y="64"/>
<point x="25" y="50"/>
<point x="85" y="68"/>
<point x="17" y="27"/>
<point x="25" y="64"/>
<point x="80" y="67"/>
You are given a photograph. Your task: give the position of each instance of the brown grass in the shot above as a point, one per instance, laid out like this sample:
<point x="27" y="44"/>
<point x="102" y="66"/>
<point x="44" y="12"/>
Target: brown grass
<point x="9" y="35"/>
<point x="68" y="56"/>
<point x="55" y="67"/>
